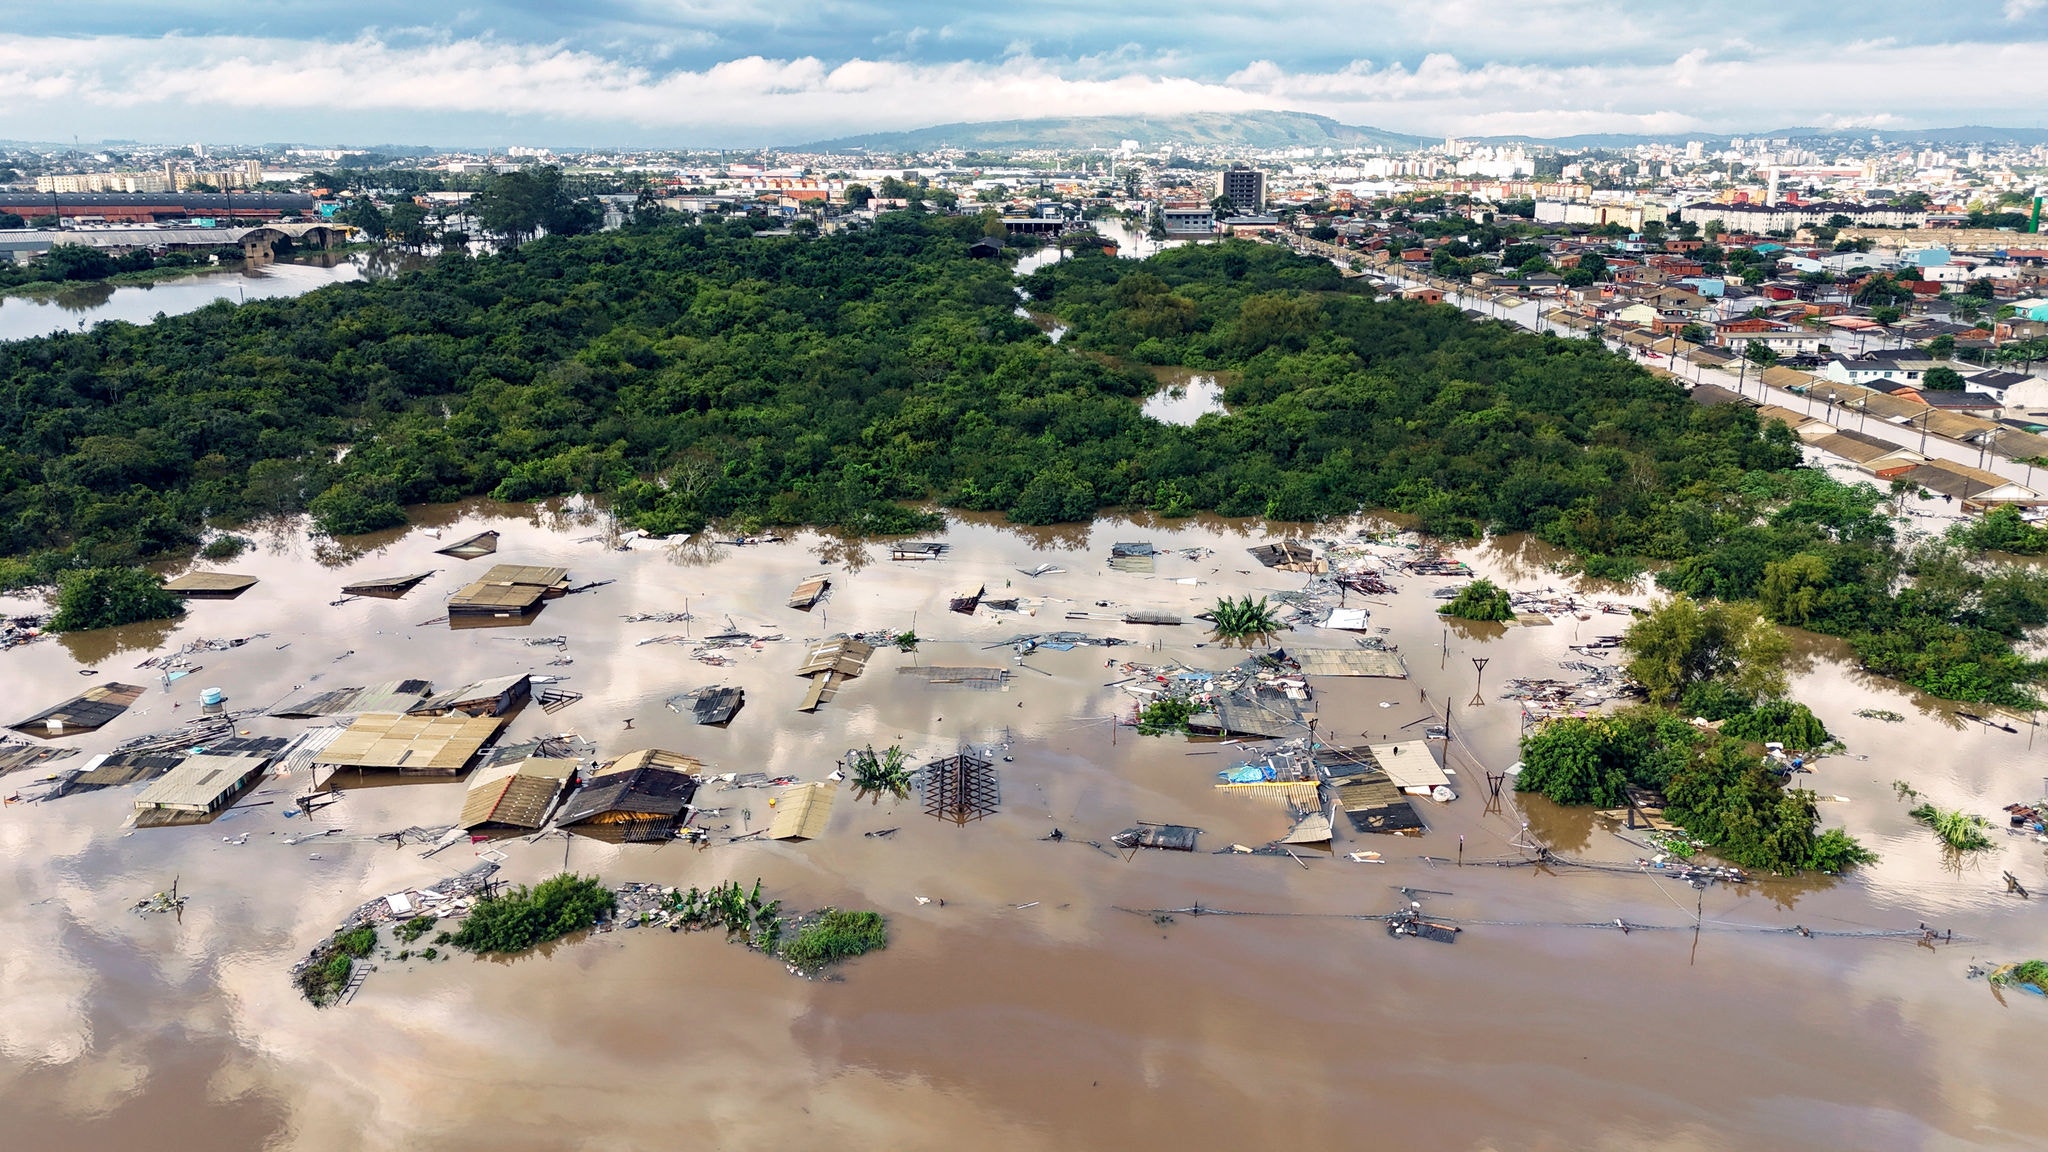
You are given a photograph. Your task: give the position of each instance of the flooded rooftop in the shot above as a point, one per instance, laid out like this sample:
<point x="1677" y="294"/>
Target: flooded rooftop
<point x="1037" y="992"/>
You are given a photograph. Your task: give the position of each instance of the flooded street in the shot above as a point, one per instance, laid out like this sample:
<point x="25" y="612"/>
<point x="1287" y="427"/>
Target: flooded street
<point x="1040" y="1000"/>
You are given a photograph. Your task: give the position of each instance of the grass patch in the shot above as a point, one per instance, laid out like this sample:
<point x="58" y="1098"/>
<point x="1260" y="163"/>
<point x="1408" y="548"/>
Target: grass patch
<point x="324" y="975"/>
<point x="413" y="929"/>
<point x="1957" y="830"/>
<point x="525" y="918"/>
<point x="836" y="935"/>
<point x="2030" y="973"/>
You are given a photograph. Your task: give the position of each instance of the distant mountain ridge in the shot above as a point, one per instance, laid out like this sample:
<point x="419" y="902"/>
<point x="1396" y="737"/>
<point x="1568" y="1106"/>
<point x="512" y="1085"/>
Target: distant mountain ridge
<point x="1256" y="129"/>
<point x="1265" y="129"/>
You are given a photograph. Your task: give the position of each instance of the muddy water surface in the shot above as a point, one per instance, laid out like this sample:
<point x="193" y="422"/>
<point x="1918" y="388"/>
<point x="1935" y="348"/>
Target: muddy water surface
<point x="1032" y="1009"/>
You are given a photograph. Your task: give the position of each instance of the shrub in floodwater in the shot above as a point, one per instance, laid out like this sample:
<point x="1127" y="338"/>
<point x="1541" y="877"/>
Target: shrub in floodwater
<point x="106" y="597"/>
<point x="874" y="774"/>
<point x="1244" y="618"/>
<point x="1482" y="599"/>
<point x="836" y="935"/>
<point x="1959" y="831"/>
<point x="2032" y="973"/>
<point x="413" y="929"/>
<point x="325" y="974"/>
<point x="524" y="918"/>
<point x="225" y="547"/>
<point x="1793" y="725"/>
<point x="1164" y="715"/>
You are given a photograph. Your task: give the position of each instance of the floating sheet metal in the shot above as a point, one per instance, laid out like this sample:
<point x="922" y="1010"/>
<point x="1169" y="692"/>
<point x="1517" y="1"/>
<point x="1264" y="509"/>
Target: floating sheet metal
<point x="1349" y="620"/>
<point x="1171" y="837"/>
<point x="808" y="593"/>
<point x="1349" y="662"/>
<point x="209" y="585"/>
<point x="917" y="550"/>
<point x="966" y="600"/>
<point x="1282" y="552"/>
<point x="842" y="654"/>
<point x="471" y="547"/>
<point x="802" y="812"/>
<point x="1313" y="828"/>
<point x="389" y="696"/>
<point x="86" y="712"/>
<point x="718" y="705"/>
<point x="384" y="587"/>
<point x="1149" y="616"/>
<point x="1262" y="713"/>
<point x="983" y="679"/>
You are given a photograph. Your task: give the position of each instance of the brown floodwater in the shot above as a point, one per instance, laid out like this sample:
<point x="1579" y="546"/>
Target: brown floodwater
<point x="1031" y="1009"/>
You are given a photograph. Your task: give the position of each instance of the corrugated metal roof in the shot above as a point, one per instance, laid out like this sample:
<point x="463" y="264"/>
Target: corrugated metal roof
<point x="1409" y="764"/>
<point x="842" y="654"/>
<point x="1348" y="662"/>
<point x="88" y="710"/>
<point x="481" y="692"/>
<point x="389" y="696"/>
<point x="201" y="783"/>
<point x="643" y="793"/>
<point x="802" y="812"/>
<point x="513" y="800"/>
<point x="433" y="744"/>
<point x="203" y="582"/>
<point x="807" y="593"/>
<point x="654" y="758"/>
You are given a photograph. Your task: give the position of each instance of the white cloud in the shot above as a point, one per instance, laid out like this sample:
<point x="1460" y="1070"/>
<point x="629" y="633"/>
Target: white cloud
<point x="382" y="85"/>
<point x="2021" y="9"/>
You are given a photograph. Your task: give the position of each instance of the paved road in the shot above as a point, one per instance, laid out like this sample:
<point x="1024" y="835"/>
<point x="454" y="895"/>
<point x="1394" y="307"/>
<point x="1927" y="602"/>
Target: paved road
<point x="1527" y="314"/>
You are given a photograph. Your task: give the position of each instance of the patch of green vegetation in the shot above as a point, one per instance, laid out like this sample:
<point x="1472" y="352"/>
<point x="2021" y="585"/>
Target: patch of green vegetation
<point x="742" y="913"/>
<point x="524" y="918"/>
<point x="2032" y="973"/>
<point x="2003" y="530"/>
<point x="1957" y="830"/>
<point x="1243" y="618"/>
<point x="1482" y="599"/>
<point x="323" y="978"/>
<point x="106" y="597"/>
<point x="225" y="547"/>
<point x="1792" y="724"/>
<point x="874" y="774"/>
<point x="689" y="372"/>
<point x="1716" y="787"/>
<point x="906" y="641"/>
<point x="836" y="935"/>
<point x="1165" y="715"/>
<point x="414" y="928"/>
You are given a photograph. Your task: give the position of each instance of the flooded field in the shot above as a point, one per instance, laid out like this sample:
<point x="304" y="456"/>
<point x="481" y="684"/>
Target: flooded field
<point x="1039" y="1000"/>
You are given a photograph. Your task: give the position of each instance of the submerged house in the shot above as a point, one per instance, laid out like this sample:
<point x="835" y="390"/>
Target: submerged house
<point x="201" y="786"/>
<point x="409" y="745"/>
<point x="493" y="697"/>
<point x="509" y="590"/>
<point x="515" y="796"/>
<point x="642" y="797"/>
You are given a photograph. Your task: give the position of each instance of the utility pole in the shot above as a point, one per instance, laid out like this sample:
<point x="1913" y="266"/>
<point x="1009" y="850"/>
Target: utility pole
<point x="1479" y="675"/>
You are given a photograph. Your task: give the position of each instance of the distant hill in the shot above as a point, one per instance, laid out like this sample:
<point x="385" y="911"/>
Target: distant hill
<point x="1217" y="129"/>
<point x="1968" y="134"/>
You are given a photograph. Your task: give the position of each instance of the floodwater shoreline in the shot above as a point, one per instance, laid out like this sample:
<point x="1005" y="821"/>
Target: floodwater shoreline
<point x="1027" y="1010"/>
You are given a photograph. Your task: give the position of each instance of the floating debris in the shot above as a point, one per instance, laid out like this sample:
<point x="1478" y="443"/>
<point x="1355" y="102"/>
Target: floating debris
<point x="1884" y="714"/>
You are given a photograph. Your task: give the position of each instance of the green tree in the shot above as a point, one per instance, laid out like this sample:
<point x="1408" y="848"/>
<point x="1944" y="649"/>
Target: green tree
<point x="106" y="597"/>
<point x="1482" y="599"/>
<point x="525" y="918"/>
<point x="874" y="774"/>
<point x="363" y="214"/>
<point x="1684" y="642"/>
<point x="1942" y="379"/>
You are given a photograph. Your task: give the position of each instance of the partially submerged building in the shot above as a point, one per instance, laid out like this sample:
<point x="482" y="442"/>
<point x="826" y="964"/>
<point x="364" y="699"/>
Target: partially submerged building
<point x="88" y="711"/>
<point x="199" y="787"/>
<point x="515" y="796"/>
<point x="494" y="697"/>
<point x="471" y="547"/>
<point x="829" y="664"/>
<point x="802" y="812"/>
<point x="642" y="797"/>
<point x="209" y="585"/>
<point x="508" y="591"/>
<point x="409" y="745"/>
<point x="388" y="696"/>
<point x="807" y="594"/>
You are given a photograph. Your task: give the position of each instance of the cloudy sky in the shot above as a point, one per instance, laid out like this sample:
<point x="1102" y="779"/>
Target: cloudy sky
<point x="746" y="72"/>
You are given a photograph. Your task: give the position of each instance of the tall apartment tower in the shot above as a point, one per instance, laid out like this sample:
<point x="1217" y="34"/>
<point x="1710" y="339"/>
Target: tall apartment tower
<point x="1246" y="188"/>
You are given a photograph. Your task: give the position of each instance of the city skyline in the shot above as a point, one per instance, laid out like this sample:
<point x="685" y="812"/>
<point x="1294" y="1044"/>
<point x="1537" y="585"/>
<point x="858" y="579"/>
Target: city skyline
<point x="737" y="73"/>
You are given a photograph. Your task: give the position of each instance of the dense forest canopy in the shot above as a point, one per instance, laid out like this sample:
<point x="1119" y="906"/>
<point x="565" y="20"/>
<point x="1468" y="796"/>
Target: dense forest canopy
<point x="690" y="372"/>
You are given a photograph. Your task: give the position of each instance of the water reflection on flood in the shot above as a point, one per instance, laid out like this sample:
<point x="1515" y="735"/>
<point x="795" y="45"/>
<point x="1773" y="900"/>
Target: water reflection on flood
<point x="82" y="306"/>
<point x="1184" y="397"/>
<point x="1027" y="1011"/>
